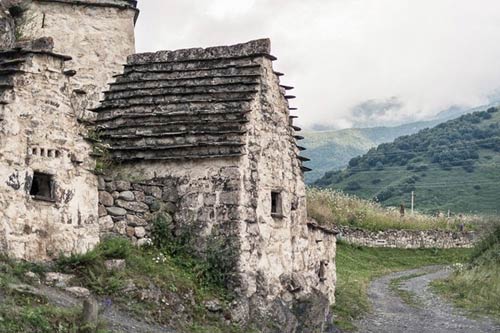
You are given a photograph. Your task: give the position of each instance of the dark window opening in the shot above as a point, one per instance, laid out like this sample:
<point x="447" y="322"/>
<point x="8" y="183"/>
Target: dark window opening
<point x="42" y="187"/>
<point x="276" y="204"/>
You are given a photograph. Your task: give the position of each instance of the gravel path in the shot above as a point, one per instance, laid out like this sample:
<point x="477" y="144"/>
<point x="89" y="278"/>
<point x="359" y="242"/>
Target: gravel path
<point x="116" y="320"/>
<point x="433" y="315"/>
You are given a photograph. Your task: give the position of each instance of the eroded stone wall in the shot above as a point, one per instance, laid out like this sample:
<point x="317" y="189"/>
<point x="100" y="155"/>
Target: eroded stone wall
<point x="7" y="28"/>
<point x="39" y="133"/>
<point x="200" y="195"/>
<point x="279" y="248"/>
<point x="98" y="38"/>
<point x="409" y="239"/>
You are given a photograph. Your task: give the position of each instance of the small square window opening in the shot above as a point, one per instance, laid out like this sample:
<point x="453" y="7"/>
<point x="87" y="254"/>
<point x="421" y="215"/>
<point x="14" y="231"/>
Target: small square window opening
<point x="42" y="187"/>
<point x="276" y="204"/>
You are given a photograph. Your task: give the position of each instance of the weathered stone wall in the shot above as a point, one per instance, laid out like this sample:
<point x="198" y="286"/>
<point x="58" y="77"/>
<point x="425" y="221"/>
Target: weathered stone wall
<point x="98" y="38"/>
<point x="7" y="28"/>
<point x="39" y="133"/>
<point x="409" y="239"/>
<point x="127" y="208"/>
<point x="279" y="248"/>
<point x="200" y="194"/>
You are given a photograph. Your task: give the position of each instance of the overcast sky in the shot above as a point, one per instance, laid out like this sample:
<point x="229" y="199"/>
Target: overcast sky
<point x="409" y="58"/>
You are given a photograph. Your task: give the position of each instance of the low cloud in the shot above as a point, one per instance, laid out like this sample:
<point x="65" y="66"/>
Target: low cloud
<point x="342" y="54"/>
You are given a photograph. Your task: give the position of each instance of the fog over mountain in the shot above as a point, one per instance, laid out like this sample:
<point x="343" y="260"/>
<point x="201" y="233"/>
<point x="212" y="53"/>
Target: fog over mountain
<point x="353" y="62"/>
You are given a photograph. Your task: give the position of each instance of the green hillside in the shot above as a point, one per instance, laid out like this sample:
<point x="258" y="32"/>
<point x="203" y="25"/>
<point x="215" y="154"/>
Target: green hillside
<point x="453" y="166"/>
<point x="332" y="150"/>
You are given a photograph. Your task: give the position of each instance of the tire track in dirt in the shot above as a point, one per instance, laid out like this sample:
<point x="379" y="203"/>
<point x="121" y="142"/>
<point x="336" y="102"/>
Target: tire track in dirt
<point x="433" y="315"/>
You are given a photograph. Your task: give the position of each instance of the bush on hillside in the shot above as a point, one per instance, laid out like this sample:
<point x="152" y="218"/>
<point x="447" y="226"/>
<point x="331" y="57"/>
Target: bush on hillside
<point x="353" y="186"/>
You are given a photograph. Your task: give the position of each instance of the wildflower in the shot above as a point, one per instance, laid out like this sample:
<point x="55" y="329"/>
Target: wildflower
<point x="107" y="303"/>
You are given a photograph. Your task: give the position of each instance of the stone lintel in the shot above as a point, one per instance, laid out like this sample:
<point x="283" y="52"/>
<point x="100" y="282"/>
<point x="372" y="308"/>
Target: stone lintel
<point x="260" y="47"/>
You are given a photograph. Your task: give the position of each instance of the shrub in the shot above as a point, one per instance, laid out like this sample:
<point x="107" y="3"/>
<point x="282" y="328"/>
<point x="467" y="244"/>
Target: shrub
<point x="353" y="186"/>
<point x="161" y="232"/>
<point x="115" y="248"/>
<point x="75" y="262"/>
<point x="488" y="249"/>
<point x="221" y="256"/>
<point x="214" y="262"/>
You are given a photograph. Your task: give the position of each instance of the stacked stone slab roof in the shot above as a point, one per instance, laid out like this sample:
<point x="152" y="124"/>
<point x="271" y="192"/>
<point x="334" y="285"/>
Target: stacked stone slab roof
<point x="12" y="61"/>
<point x="184" y="104"/>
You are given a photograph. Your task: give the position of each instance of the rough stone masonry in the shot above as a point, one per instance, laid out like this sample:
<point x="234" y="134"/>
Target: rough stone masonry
<point x="202" y="135"/>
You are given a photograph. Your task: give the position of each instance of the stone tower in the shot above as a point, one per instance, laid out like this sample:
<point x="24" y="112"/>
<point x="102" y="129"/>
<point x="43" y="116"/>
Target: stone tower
<point x="97" y="34"/>
<point x="56" y="58"/>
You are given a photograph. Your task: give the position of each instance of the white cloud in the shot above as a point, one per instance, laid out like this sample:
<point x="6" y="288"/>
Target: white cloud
<point x="221" y="9"/>
<point x="430" y="54"/>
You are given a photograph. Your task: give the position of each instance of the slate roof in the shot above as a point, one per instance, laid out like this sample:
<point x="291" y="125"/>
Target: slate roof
<point x="13" y="60"/>
<point x="182" y="104"/>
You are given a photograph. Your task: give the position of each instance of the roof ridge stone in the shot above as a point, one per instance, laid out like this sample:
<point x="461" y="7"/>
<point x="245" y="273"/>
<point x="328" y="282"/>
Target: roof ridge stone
<point x="118" y="3"/>
<point x="252" y="48"/>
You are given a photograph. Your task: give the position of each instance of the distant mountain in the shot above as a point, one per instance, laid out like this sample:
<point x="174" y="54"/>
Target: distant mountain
<point x="333" y="149"/>
<point x="455" y="166"/>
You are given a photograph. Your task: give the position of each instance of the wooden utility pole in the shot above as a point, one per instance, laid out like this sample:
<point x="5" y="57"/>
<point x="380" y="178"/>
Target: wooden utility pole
<point x="412" y="201"/>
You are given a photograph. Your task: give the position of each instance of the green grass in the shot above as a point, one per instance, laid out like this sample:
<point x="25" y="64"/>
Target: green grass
<point x="330" y="207"/>
<point x="440" y="165"/>
<point x="357" y="266"/>
<point x="407" y="296"/>
<point x="475" y="286"/>
<point x="177" y="282"/>
<point x="438" y="189"/>
<point x="24" y="312"/>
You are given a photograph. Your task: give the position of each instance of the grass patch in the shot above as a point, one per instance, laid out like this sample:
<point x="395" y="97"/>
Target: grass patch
<point x="154" y="286"/>
<point x="475" y="286"/>
<point x="330" y="207"/>
<point x="25" y="312"/>
<point x="408" y="297"/>
<point x="357" y="266"/>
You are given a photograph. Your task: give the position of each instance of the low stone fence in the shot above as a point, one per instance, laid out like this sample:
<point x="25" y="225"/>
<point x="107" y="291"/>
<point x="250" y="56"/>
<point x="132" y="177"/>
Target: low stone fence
<point x="408" y="239"/>
<point x="126" y="208"/>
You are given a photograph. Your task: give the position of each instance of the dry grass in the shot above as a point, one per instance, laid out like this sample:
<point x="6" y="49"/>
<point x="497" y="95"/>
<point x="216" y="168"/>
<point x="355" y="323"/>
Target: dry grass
<point x="331" y="207"/>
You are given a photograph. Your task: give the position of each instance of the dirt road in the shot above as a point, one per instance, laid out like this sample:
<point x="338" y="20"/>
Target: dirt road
<point x="429" y="314"/>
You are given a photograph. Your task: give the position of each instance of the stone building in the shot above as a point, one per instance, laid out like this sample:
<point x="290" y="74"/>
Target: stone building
<point x="204" y="135"/>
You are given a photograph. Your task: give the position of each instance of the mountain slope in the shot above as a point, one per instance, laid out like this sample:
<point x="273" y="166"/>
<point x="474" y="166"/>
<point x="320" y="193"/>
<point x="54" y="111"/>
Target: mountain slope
<point x="455" y="166"/>
<point x="332" y="150"/>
